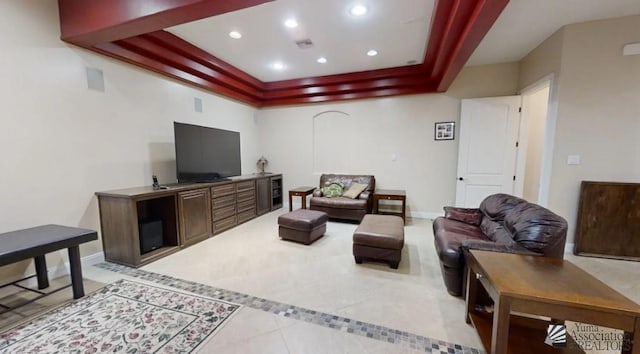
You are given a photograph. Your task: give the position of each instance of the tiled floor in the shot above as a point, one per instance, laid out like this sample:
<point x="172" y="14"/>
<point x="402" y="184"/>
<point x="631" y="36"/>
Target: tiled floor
<point x="315" y="299"/>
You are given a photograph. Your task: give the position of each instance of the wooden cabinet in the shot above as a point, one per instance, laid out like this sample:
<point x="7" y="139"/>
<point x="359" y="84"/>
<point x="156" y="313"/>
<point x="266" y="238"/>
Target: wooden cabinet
<point x="194" y="211"/>
<point x="263" y="187"/>
<point x="608" y="222"/>
<point x="179" y="216"/>
<point x="121" y="218"/>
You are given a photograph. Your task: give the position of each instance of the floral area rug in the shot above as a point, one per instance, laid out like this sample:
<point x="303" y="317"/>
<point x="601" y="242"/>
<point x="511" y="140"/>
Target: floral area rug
<point x="123" y="317"/>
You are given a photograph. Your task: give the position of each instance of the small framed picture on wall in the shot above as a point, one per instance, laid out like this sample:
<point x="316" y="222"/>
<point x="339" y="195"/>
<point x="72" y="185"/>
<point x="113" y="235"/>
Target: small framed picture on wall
<point x="445" y="131"/>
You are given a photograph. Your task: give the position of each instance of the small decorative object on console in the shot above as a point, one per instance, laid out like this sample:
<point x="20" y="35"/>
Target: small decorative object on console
<point x="262" y="162"/>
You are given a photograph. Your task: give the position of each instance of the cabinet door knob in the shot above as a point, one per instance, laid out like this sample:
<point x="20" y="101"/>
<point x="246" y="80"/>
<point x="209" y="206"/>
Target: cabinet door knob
<point x="478" y="275"/>
<point x="460" y="179"/>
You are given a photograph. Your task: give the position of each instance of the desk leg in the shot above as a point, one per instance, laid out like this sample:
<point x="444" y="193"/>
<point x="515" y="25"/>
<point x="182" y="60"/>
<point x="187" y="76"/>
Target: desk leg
<point x="41" y="271"/>
<point x="500" y="330"/>
<point x="290" y="202"/>
<point x="404" y="210"/>
<point x="304" y="201"/>
<point x="628" y="345"/>
<point x="76" y="272"/>
<point x="472" y="293"/>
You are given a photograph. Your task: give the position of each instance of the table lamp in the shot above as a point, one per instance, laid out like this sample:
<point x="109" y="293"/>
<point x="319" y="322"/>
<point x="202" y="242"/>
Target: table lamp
<point x="262" y="162"/>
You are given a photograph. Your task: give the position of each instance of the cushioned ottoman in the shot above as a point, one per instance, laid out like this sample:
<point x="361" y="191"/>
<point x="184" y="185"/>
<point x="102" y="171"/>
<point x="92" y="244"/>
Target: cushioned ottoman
<point x="302" y="225"/>
<point x="379" y="238"/>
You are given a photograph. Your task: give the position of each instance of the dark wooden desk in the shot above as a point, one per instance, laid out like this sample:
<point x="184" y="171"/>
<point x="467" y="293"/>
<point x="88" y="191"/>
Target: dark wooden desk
<point x="545" y="287"/>
<point x="302" y="192"/>
<point x="37" y="241"/>
<point x="390" y="194"/>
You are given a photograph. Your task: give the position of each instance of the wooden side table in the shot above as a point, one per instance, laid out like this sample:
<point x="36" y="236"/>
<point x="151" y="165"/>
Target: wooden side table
<point x="546" y="287"/>
<point x="301" y="192"/>
<point x="391" y="194"/>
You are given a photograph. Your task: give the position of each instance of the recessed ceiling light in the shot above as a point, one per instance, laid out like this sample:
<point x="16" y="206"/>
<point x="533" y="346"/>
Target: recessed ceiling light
<point x="358" y="10"/>
<point x="372" y="53"/>
<point x="278" y="66"/>
<point x="291" y="23"/>
<point x="235" y="34"/>
<point x="322" y="60"/>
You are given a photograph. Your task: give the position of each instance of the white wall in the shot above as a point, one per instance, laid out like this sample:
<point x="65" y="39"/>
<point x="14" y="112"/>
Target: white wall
<point x="60" y="142"/>
<point x="391" y="138"/>
<point x="400" y="127"/>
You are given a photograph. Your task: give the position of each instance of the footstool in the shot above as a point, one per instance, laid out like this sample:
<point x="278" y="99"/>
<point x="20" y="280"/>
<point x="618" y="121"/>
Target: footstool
<point x="302" y="225"/>
<point x="379" y="238"/>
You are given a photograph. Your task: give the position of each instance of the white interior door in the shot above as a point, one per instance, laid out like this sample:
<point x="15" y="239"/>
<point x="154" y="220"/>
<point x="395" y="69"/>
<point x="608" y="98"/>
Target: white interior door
<point x="487" y="150"/>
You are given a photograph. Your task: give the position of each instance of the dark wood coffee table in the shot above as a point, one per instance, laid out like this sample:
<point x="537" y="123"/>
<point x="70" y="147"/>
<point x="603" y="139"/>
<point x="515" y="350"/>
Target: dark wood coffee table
<point x="546" y="287"/>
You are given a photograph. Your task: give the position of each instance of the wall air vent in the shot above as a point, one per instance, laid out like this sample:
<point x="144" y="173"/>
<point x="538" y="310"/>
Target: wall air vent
<point x="304" y="43"/>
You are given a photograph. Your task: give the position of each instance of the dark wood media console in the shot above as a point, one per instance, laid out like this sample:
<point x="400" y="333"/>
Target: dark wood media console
<point x="189" y="213"/>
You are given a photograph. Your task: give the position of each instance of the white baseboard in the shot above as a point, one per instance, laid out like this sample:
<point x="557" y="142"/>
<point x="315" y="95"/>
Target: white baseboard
<point x="568" y="247"/>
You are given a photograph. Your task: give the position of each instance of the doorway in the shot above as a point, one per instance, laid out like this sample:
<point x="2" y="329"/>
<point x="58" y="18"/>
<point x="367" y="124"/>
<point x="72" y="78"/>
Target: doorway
<point x="529" y="153"/>
<point x="537" y="131"/>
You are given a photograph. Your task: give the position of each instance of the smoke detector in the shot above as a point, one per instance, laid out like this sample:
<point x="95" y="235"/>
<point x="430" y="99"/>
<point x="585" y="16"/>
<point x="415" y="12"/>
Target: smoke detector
<point x="304" y="43"/>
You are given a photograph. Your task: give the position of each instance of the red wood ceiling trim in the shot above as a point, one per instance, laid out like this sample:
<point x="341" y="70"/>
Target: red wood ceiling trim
<point x="350" y="87"/>
<point x="344" y="78"/>
<point x="349" y="96"/>
<point x="121" y="53"/>
<point x="142" y="45"/>
<point x="205" y="58"/>
<point x="483" y="17"/>
<point x="440" y="19"/>
<point x="90" y="22"/>
<point x="457" y="28"/>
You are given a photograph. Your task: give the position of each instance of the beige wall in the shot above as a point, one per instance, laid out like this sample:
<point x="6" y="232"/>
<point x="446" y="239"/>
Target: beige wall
<point x="598" y="113"/>
<point x="541" y="61"/>
<point x="490" y="80"/>
<point x="61" y="142"/>
<point x="391" y="138"/>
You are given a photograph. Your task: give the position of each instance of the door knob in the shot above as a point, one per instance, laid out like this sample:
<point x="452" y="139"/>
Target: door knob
<point x="460" y="178"/>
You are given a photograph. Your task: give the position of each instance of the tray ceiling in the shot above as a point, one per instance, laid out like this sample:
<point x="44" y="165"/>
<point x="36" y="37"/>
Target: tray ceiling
<point x="422" y="44"/>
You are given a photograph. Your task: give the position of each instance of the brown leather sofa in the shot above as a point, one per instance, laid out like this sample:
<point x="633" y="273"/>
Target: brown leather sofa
<point x="502" y="223"/>
<point x="342" y="207"/>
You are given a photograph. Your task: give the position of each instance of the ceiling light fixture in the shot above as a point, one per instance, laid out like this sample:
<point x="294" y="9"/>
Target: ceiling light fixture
<point x="322" y="60"/>
<point x="291" y="23"/>
<point x="372" y="53"/>
<point x="278" y="66"/>
<point x="235" y="34"/>
<point x="358" y="10"/>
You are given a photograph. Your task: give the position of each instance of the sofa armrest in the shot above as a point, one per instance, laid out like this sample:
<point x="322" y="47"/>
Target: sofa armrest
<point x="471" y="216"/>
<point x="496" y="247"/>
<point x="317" y="192"/>
<point x="364" y="195"/>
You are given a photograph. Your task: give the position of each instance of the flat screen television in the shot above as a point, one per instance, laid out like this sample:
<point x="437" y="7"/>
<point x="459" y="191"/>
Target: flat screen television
<point x="205" y="154"/>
